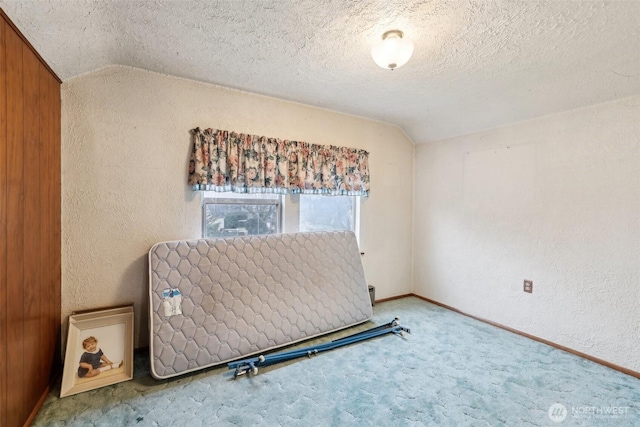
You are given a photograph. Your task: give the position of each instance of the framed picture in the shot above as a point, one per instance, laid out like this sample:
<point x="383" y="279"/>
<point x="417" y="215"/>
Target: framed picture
<point x="99" y="349"/>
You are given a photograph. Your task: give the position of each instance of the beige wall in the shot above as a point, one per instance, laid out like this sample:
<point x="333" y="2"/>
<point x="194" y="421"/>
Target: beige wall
<point x="555" y="200"/>
<point x="125" y="147"/>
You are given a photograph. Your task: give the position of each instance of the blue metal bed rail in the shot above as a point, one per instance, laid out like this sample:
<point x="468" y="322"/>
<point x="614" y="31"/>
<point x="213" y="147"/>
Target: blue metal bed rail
<point x="252" y="364"/>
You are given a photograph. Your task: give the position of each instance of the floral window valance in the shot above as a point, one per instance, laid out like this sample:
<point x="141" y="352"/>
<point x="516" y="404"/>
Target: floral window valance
<point x="229" y="161"/>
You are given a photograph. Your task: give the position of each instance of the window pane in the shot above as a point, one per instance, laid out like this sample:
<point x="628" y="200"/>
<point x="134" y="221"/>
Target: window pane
<point x="326" y="213"/>
<point x="234" y="219"/>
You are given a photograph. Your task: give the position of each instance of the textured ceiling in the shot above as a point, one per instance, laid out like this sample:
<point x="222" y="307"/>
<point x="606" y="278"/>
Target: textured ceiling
<point x="476" y="65"/>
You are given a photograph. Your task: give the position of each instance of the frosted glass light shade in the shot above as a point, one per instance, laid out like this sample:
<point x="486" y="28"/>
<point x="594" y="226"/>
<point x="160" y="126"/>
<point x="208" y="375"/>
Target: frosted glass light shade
<point x="393" y="51"/>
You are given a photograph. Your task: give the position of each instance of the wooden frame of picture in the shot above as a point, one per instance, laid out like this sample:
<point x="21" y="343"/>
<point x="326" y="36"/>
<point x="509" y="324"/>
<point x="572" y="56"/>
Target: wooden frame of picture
<point x="99" y="349"/>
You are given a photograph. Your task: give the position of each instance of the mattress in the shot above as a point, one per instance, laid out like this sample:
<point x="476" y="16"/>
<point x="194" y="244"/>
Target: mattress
<point x="213" y="301"/>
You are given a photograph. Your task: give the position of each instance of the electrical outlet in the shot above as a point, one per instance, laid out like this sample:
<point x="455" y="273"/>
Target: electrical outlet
<point x="528" y="286"/>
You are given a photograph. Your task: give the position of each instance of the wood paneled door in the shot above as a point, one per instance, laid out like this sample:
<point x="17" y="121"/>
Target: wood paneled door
<point x="30" y="226"/>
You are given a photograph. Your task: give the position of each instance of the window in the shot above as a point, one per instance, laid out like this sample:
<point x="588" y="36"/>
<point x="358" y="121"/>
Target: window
<point x="241" y="214"/>
<point x="329" y="213"/>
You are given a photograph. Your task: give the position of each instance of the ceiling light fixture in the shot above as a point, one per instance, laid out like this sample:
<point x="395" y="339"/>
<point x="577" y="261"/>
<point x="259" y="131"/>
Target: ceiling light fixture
<point x="393" y="51"/>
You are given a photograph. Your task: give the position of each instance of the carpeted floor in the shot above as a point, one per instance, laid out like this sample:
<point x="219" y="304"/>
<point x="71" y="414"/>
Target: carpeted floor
<point x="451" y="371"/>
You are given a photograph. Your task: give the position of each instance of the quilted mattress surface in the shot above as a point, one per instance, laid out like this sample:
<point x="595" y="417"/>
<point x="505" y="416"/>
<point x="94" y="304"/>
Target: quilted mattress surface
<point x="216" y="300"/>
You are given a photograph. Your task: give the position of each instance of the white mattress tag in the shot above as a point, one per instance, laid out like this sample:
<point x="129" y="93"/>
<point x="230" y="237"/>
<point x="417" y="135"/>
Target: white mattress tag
<point x="172" y="302"/>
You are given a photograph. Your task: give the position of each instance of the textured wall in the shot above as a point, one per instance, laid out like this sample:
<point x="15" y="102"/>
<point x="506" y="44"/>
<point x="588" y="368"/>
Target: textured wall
<point x="555" y="200"/>
<point x="125" y="146"/>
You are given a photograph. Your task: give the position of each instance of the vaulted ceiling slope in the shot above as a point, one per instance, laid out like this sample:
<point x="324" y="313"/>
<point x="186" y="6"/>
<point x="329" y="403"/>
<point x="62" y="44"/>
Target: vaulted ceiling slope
<point x="477" y="64"/>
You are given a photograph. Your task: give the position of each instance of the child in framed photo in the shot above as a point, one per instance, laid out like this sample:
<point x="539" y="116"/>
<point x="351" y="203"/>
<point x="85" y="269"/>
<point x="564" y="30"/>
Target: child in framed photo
<point x="93" y="361"/>
<point x="99" y="349"/>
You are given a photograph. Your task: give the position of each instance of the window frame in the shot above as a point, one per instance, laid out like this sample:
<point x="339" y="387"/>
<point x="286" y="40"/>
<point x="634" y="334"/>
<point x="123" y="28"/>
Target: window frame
<point x="287" y="208"/>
